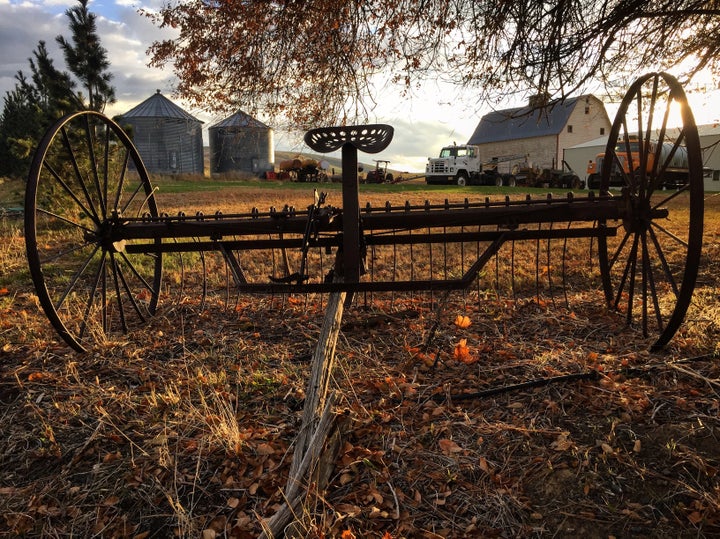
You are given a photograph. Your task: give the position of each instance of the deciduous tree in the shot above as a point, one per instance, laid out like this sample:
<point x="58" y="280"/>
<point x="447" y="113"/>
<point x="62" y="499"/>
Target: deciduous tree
<point x="321" y="61"/>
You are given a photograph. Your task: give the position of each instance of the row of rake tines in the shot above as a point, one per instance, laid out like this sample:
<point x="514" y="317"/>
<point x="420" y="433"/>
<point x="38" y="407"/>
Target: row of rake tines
<point x="543" y="268"/>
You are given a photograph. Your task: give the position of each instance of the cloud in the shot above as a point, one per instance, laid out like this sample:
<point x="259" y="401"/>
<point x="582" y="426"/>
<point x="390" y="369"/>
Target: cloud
<point x="126" y="36"/>
<point x="424" y="121"/>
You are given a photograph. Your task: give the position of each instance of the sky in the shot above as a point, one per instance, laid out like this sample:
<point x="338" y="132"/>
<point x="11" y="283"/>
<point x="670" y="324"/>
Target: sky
<point x="423" y="123"/>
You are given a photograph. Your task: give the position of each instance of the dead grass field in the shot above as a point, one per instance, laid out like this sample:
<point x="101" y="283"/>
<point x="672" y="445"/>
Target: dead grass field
<point x="185" y="427"/>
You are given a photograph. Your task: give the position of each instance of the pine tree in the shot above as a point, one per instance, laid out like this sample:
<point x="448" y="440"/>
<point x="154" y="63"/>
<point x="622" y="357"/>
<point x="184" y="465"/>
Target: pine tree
<point x="21" y="119"/>
<point x="48" y="93"/>
<point x="35" y="102"/>
<point x="86" y="58"/>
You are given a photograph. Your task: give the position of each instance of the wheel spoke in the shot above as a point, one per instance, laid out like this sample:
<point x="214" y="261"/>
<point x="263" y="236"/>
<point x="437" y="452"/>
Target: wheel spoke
<point x="78" y="174"/>
<point x="663" y="262"/>
<point x="667" y="199"/>
<point x="93" y="165"/>
<point x="61" y="254"/>
<point x="121" y="180"/>
<point x="624" y="274"/>
<point x="650" y="278"/>
<point x="75" y="278"/>
<point x="632" y="261"/>
<point x="131" y="199"/>
<point x="671" y="235"/>
<point x="91" y="298"/>
<point x="118" y="297"/>
<point x="90" y="213"/>
<point x="64" y="219"/>
<point x="128" y="292"/>
<point x="618" y="250"/>
<point x="137" y="274"/>
<point x="106" y="170"/>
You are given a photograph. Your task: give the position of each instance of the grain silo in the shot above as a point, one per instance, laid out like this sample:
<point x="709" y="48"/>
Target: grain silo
<point x="168" y="138"/>
<point x="241" y="143"/>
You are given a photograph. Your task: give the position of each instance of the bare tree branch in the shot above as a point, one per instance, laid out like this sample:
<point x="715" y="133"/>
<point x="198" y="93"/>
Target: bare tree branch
<point x="319" y="61"/>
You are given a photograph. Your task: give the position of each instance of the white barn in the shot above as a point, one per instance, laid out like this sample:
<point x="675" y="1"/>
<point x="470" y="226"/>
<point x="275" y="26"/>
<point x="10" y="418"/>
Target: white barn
<point x="541" y="132"/>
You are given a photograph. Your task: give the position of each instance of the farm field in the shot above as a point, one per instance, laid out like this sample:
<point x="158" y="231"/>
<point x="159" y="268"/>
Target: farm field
<point x="489" y="413"/>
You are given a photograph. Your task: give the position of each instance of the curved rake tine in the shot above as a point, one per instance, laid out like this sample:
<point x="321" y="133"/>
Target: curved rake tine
<point x="592" y="242"/>
<point x="549" y="273"/>
<point x="445" y="255"/>
<point x="227" y="283"/>
<point x="204" y="281"/>
<point x="564" y="269"/>
<point x="512" y="269"/>
<point x="395" y="268"/>
<point x="537" y="268"/>
<point x="477" y="256"/>
<point x="430" y="269"/>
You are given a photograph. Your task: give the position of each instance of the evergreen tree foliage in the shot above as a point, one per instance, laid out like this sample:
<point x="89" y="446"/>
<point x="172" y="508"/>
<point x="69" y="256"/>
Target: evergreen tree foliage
<point x="86" y="58"/>
<point x="48" y="93"/>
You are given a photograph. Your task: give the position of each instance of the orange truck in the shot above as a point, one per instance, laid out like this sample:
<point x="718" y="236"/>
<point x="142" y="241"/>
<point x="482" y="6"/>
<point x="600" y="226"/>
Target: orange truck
<point x="628" y="155"/>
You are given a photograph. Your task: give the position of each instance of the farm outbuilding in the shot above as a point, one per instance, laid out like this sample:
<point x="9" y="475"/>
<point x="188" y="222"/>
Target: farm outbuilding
<point x="541" y="131"/>
<point x="579" y="155"/>
<point x="240" y="143"/>
<point x="168" y="138"/>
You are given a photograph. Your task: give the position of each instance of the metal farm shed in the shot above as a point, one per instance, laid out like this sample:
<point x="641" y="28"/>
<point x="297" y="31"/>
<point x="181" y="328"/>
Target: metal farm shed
<point x="168" y="138"/>
<point x="241" y="143"/>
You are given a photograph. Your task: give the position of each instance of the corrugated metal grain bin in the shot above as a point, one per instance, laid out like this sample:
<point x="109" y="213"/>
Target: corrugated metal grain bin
<point x="168" y="138"/>
<point x="240" y="143"/>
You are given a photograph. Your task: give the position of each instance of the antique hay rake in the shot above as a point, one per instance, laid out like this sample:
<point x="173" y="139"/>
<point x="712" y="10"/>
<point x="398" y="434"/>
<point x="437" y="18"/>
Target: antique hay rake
<point x="96" y="238"/>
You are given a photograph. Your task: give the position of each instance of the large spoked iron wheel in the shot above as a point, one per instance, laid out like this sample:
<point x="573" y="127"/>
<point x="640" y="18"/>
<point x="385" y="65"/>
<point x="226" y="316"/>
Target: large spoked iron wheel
<point x="86" y="177"/>
<point x="653" y="157"/>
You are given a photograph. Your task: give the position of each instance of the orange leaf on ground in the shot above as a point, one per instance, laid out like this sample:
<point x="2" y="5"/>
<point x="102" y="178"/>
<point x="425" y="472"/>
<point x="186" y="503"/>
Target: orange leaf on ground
<point x="4" y="291"/>
<point x="462" y="352"/>
<point x="462" y="321"/>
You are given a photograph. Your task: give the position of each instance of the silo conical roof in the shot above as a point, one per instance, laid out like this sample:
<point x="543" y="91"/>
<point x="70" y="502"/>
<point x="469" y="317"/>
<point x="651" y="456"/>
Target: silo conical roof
<point x="239" y="119"/>
<point x="159" y="106"/>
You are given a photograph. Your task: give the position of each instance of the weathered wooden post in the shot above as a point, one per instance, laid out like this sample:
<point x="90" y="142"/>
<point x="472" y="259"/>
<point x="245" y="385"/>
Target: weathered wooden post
<point x="318" y="420"/>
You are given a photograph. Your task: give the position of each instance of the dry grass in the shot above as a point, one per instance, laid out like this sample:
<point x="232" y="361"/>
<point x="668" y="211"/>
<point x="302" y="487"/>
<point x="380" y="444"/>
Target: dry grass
<point x="185" y="427"/>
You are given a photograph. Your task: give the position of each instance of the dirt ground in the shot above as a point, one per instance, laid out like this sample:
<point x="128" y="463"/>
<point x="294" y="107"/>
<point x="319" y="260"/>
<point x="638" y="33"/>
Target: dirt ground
<point x="530" y="418"/>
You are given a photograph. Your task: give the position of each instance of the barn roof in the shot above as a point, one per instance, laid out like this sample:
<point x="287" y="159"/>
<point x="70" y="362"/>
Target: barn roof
<point x="524" y="122"/>
<point x="239" y="119"/>
<point x="159" y="106"/>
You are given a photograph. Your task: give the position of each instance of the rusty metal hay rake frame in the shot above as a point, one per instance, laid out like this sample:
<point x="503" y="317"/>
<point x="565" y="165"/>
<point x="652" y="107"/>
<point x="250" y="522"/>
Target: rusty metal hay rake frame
<point x="96" y="238"/>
